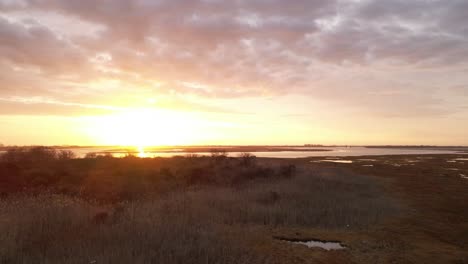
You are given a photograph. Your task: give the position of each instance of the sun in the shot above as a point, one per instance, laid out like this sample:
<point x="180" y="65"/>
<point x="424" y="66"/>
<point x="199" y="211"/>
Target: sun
<point x="141" y="128"/>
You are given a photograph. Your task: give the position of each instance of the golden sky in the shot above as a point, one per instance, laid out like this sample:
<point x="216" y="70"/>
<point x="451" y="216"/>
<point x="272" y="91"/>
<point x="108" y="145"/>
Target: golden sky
<point x="175" y="72"/>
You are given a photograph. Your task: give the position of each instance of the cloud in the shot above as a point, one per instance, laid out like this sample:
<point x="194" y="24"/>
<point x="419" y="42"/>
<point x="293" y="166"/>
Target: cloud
<point x="44" y="106"/>
<point x="350" y="52"/>
<point x="34" y="44"/>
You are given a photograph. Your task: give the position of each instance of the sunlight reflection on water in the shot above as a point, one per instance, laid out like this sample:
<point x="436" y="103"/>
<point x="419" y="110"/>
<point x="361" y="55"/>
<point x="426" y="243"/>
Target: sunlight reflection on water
<point x="300" y="152"/>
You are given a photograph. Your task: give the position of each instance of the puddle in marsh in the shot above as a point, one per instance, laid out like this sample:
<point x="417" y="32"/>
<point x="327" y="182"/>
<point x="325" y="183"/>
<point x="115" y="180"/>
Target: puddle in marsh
<point x="367" y="160"/>
<point x="461" y="160"/>
<point x="463" y="176"/>
<point x="327" y="245"/>
<point x="337" y="161"/>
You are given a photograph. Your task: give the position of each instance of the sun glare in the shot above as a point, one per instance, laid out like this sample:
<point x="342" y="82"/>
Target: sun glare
<point x="141" y="128"/>
<point x="141" y="152"/>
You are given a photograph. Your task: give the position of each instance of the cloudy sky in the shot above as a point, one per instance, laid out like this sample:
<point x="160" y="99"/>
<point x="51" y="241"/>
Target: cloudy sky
<point x="149" y="72"/>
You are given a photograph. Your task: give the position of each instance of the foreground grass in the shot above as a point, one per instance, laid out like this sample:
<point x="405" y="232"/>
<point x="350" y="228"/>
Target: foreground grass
<point x="179" y="210"/>
<point x="434" y="229"/>
<point x="56" y="229"/>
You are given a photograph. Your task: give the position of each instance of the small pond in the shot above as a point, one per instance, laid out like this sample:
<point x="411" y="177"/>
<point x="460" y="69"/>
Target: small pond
<point x="314" y="243"/>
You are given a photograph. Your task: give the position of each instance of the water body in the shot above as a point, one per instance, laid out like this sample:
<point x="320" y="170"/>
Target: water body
<point x="292" y="152"/>
<point x="299" y="152"/>
<point x="322" y="245"/>
<point x="336" y="161"/>
<point x="316" y="244"/>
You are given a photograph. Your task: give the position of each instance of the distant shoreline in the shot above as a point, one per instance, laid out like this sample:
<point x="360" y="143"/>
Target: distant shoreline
<point x="239" y="148"/>
<point x="177" y="149"/>
<point x="233" y="146"/>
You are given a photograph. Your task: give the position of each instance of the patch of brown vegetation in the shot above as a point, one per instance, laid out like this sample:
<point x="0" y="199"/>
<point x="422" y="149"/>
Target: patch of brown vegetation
<point x="219" y="209"/>
<point x="206" y="210"/>
<point x="108" y="179"/>
<point x="433" y="227"/>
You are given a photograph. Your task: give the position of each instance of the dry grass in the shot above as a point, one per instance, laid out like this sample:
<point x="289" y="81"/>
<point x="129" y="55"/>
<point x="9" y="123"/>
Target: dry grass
<point x="309" y="200"/>
<point x="226" y="210"/>
<point x="57" y="229"/>
<point x="201" y="223"/>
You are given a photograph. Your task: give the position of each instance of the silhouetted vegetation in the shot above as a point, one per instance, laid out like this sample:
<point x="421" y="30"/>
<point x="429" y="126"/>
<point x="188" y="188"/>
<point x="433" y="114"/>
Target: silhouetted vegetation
<point x="247" y="159"/>
<point x="104" y="177"/>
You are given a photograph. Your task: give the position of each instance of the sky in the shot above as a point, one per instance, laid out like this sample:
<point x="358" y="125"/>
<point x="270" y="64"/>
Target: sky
<point x="180" y="72"/>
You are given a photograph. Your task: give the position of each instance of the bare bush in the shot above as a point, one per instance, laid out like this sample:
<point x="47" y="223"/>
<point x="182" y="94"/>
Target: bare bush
<point x="91" y="155"/>
<point x="247" y="159"/>
<point x="65" y="154"/>
<point x="30" y="155"/>
<point x="218" y="155"/>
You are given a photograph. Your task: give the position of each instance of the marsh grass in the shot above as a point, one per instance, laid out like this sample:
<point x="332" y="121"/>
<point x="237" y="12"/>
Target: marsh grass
<point x="58" y="229"/>
<point x="162" y="215"/>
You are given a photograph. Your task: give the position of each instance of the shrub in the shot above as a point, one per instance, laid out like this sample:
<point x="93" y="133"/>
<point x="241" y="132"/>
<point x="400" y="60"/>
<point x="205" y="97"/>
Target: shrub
<point x="218" y="155"/>
<point x="41" y="154"/>
<point x="65" y="154"/>
<point x="192" y="156"/>
<point x="247" y="159"/>
<point x="31" y="155"/>
<point x="90" y="155"/>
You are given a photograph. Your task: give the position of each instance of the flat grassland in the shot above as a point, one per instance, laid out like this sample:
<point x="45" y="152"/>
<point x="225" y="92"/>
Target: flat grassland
<point x="219" y="209"/>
